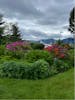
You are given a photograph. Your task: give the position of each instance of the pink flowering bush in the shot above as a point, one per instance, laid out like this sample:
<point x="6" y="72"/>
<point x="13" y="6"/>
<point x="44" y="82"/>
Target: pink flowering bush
<point x="18" y="48"/>
<point x="57" y="50"/>
<point x="18" y="45"/>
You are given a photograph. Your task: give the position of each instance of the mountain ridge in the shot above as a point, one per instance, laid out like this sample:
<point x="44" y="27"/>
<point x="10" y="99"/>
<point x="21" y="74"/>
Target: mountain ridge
<point x="52" y="41"/>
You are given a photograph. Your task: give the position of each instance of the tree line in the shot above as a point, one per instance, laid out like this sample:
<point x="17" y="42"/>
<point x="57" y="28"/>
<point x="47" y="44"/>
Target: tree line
<point x="7" y="37"/>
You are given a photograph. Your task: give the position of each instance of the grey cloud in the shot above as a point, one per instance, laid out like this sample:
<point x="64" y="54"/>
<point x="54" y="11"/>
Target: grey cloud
<point x="47" y="13"/>
<point x="58" y="14"/>
<point x="23" y="8"/>
<point x="55" y="12"/>
<point x="37" y="34"/>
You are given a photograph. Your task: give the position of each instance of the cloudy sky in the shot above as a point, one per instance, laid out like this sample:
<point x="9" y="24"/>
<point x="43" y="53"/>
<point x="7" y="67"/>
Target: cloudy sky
<point x="39" y="19"/>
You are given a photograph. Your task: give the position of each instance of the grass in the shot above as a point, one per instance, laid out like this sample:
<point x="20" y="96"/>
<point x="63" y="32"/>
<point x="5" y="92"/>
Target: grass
<point x="60" y="86"/>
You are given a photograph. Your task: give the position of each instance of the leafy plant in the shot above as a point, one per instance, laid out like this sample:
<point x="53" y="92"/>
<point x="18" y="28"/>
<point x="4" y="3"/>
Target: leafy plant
<point x="41" y="69"/>
<point x="35" y="55"/>
<point x="37" y="70"/>
<point x="2" y="50"/>
<point x="37" y="46"/>
<point x="61" y="66"/>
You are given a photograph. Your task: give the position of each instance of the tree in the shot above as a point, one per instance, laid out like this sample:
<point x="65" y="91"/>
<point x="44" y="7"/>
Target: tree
<point x="1" y="29"/>
<point x="15" y="33"/>
<point x="59" y="42"/>
<point x="72" y="21"/>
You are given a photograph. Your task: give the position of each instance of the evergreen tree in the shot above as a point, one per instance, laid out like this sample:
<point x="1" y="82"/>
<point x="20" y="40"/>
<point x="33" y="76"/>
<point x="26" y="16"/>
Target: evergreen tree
<point x="59" y="42"/>
<point x="15" y="33"/>
<point x="1" y="29"/>
<point x="72" y="21"/>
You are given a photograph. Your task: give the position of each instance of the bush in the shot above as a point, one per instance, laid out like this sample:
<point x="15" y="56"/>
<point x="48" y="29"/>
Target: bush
<point x="13" y="69"/>
<point x="61" y="66"/>
<point x="35" y="55"/>
<point x="16" y="54"/>
<point x="18" y="45"/>
<point x="17" y="49"/>
<point x="6" y="58"/>
<point x="71" y="57"/>
<point x="40" y="69"/>
<point x="57" y="50"/>
<point x="37" y="46"/>
<point x="2" y="50"/>
<point x="37" y="70"/>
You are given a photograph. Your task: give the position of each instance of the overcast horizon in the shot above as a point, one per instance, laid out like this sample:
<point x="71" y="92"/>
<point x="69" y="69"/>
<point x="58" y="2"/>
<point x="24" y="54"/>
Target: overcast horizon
<point x="39" y="19"/>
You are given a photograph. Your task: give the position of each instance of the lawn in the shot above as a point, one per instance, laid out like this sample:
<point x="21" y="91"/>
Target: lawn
<point x="60" y="86"/>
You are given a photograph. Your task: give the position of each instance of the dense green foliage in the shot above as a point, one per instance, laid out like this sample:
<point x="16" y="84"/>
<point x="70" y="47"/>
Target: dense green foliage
<point x="37" y="70"/>
<point x="37" y="46"/>
<point x="41" y="69"/>
<point x="33" y="63"/>
<point x="61" y="66"/>
<point x="35" y="55"/>
<point x="2" y="50"/>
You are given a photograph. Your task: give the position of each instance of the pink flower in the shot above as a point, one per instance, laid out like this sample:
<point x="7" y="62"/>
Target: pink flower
<point x="62" y="55"/>
<point x="57" y="50"/>
<point x="15" y="45"/>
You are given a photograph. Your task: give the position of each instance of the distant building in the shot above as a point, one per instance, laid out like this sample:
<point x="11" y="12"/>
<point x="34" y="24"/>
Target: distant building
<point x="46" y="45"/>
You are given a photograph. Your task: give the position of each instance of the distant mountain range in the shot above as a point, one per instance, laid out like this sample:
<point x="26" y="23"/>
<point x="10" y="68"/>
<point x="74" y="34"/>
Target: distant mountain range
<point x="52" y="41"/>
<point x="47" y="41"/>
<point x="68" y="40"/>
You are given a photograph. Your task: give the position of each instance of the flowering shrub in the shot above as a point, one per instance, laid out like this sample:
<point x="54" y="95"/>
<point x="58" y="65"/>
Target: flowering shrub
<point x="57" y="50"/>
<point x="67" y="46"/>
<point x="17" y="49"/>
<point x="18" y="45"/>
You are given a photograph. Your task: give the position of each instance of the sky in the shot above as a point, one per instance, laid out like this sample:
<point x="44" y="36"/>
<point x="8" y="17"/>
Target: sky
<point x="39" y="19"/>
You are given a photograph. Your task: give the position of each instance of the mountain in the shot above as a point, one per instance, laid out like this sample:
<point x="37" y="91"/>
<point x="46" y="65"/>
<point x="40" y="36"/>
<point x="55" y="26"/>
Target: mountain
<point x="68" y="40"/>
<point x="52" y="41"/>
<point x="47" y="41"/>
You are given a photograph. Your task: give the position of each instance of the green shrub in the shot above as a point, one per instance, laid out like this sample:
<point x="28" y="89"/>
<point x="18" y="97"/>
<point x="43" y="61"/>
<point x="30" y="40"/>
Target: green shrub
<point x="71" y="57"/>
<point x="37" y="70"/>
<point x="41" y="69"/>
<point x="13" y="70"/>
<point x="16" y="54"/>
<point x="61" y="66"/>
<point x="2" y="50"/>
<point x="53" y="70"/>
<point x="6" y="58"/>
<point x="35" y="55"/>
<point x="37" y="46"/>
